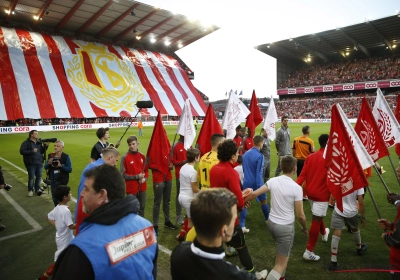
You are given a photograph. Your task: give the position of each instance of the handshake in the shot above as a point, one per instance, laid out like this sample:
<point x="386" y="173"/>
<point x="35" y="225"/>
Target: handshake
<point x="7" y="187"/>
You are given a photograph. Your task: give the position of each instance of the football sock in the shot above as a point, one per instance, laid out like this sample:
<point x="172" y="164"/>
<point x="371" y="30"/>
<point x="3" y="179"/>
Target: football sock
<point x="313" y="235"/>
<point x="184" y="229"/>
<point x="242" y="217"/>
<point x="322" y="228"/>
<point x="273" y="275"/>
<point x="265" y="210"/>
<point x="245" y="258"/>
<point x="48" y="272"/>
<point x="334" y="247"/>
<point x="357" y="239"/>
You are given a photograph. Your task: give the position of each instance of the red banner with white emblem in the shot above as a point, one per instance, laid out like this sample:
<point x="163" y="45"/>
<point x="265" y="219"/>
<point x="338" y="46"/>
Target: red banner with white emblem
<point x="345" y="174"/>
<point x="45" y="77"/>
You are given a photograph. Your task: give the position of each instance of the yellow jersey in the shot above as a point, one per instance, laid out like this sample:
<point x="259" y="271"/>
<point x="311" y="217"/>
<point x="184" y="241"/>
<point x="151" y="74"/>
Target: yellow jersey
<point x="191" y="235"/>
<point x="207" y="161"/>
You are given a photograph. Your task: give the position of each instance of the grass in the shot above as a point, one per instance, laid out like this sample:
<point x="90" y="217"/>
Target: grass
<point x="261" y="246"/>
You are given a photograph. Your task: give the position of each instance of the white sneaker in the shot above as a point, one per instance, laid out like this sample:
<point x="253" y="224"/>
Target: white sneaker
<point x="30" y="193"/>
<point x="262" y="274"/>
<point x="310" y="256"/>
<point x="326" y="236"/>
<point x="245" y="230"/>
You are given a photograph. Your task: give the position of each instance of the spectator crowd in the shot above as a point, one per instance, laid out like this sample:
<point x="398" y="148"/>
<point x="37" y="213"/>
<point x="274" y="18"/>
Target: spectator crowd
<point x="320" y="108"/>
<point x="357" y="70"/>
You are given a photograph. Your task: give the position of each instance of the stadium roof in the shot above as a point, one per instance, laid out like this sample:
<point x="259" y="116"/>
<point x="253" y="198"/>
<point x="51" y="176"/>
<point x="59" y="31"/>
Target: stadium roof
<point x="108" y="21"/>
<point x="372" y="37"/>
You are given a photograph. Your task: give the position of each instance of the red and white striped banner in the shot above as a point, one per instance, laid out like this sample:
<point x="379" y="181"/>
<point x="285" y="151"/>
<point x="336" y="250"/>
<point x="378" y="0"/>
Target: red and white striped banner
<point x="43" y="76"/>
<point x="340" y="87"/>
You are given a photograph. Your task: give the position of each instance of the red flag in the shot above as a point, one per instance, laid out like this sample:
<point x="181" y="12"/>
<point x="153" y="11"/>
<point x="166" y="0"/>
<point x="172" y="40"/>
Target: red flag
<point x="397" y="116"/>
<point x="368" y="131"/>
<point x="255" y="117"/>
<point x="345" y="174"/>
<point x="387" y="123"/>
<point x="159" y="148"/>
<point x="210" y="126"/>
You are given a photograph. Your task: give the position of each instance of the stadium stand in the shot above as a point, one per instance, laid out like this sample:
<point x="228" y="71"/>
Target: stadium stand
<point x="357" y="70"/>
<point x="320" y="108"/>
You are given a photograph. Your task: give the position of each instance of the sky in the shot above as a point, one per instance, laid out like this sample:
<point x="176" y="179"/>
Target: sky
<point x="227" y="59"/>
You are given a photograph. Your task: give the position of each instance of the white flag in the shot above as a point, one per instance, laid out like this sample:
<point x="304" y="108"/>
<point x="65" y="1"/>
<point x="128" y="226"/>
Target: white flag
<point x="235" y="113"/>
<point x="387" y="123"/>
<point x="186" y="125"/>
<point x="271" y="117"/>
<point x="362" y="154"/>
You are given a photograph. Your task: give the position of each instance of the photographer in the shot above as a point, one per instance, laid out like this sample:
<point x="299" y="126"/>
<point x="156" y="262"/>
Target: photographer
<point x="32" y="150"/>
<point x="58" y="167"/>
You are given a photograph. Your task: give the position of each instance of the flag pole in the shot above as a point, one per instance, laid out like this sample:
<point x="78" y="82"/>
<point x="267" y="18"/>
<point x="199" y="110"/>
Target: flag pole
<point x="173" y="143"/>
<point x="380" y="177"/>
<point x="394" y="169"/>
<point x="374" y="201"/>
<point x="144" y="167"/>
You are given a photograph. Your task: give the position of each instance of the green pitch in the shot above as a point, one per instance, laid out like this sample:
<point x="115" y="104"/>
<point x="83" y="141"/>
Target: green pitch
<point x="261" y="246"/>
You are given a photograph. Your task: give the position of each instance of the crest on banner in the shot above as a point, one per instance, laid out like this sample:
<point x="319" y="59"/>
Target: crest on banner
<point x="233" y="115"/>
<point x="103" y="78"/>
<point x="339" y="173"/>
<point x="368" y="139"/>
<point x="386" y="128"/>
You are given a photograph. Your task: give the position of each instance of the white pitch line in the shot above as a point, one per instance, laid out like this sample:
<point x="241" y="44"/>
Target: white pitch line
<point x="24" y="171"/>
<point x="161" y="247"/>
<point x="164" y="249"/>
<point x="24" y="214"/>
<point x="12" y="164"/>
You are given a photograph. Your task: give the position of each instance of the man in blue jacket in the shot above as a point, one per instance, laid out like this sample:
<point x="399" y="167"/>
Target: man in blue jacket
<point x="114" y="242"/>
<point x="253" y="168"/>
<point x="32" y="151"/>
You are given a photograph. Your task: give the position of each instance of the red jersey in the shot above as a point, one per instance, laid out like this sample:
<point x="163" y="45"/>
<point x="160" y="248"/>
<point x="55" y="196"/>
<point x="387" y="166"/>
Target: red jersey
<point x="133" y="163"/>
<point x="247" y="143"/>
<point x="222" y="175"/>
<point x="315" y="174"/>
<point x="178" y="157"/>
<point x="158" y="176"/>
<point x="238" y="140"/>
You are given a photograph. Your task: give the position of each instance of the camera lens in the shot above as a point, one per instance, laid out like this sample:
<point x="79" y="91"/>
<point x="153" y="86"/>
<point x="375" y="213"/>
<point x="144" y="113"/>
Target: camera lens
<point x="41" y="190"/>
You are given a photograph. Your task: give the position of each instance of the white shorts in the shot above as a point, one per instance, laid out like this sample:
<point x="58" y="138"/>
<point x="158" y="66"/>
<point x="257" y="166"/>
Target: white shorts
<point x="318" y="208"/>
<point x="185" y="202"/>
<point x="58" y="252"/>
<point x="62" y="243"/>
